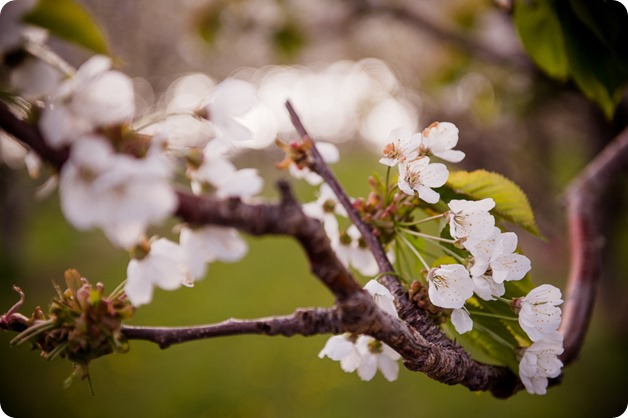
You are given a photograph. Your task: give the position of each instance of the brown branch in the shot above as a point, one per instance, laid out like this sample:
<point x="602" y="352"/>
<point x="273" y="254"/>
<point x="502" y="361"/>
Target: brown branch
<point x="584" y="200"/>
<point x="304" y="322"/>
<point x="30" y="135"/>
<point x="439" y="357"/>
<point x="420" y="342"/>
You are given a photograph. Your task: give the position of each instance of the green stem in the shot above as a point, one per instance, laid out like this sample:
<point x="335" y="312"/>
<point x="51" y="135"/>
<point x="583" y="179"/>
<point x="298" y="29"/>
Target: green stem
<point x="388" y="189"/>
<point x="490" y="315"/>
<point x="415" y="251"/>
<point x="427" y="236"/>
<point x="421" y="221"/>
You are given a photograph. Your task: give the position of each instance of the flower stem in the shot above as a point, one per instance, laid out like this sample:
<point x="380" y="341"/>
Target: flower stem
<point x="490" y="315"/>
<point x="415" y="251"/>
<point x="421" y="221"/>
<point x="427" y="236"/>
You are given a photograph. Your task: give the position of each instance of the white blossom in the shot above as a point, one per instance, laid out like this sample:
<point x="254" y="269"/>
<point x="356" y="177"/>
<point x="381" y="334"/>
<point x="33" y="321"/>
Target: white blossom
<point x="342" y="348"/>
<point x="355" y="253"/>
<point x="421" y="176"/>
<point x="164" y="266"/>
<point x="497" y="254"/>
<point x="539" y="314"/>
<point x="364" y="354"/>
<point x="94" y="97"/>
<point x="401" y="146"/>
<point x="461" y="320"/>
<point x="485" y="287"/>
<point x="116" y="192"/>
<point x="438" y="139"/>
<point x="382" y="297"/>
<point x="471" y="218"/>
<point x="34" y="78"/>
<point x="230" y="100"/>
<point x="449" y="286"/>
<point x="539" y="362"/>
<point x="210" y="243"/>
<point x="324" y="209"/>
<point x="376" y="355"/>
<point x="217" y="171"/>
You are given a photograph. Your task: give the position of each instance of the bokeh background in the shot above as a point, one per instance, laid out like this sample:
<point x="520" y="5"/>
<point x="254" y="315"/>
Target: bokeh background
<point x="354" y="70"/>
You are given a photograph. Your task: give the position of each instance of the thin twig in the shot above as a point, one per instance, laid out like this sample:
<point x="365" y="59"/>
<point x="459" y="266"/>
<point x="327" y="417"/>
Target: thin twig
<point x="304" y="322"/>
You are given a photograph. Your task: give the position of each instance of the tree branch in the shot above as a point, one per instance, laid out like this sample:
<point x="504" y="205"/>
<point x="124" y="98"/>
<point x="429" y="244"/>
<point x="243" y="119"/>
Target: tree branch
<point x="304" y="322"/>
<point x="585" y="197"/>
<point x="419" y="341"/>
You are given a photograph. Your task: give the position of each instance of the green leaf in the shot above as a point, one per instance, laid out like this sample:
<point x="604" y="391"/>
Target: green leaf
<point x="67" y="20"/>
<point x="511" y="203"/>
<point x="585" y="40"/>
<point x="541" y="35"/>
<point x="598" y="56"/>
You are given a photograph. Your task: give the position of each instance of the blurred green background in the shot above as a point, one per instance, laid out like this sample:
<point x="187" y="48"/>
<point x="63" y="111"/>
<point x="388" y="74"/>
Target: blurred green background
<point x="513" y="120"/>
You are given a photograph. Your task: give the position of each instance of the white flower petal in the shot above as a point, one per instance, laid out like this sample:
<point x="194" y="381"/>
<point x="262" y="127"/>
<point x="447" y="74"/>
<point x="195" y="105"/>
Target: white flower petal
<point x="461" y="320"/>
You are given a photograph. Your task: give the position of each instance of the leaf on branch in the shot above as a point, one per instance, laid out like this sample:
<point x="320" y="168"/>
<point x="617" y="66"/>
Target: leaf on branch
<point x="67" y="20"/>
<point x="579" y="39"/>
<point x="511" y="203"/>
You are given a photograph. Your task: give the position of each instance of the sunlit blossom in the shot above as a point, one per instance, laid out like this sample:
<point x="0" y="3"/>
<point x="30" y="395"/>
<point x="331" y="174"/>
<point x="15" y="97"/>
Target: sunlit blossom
<point x="401" y="146"/>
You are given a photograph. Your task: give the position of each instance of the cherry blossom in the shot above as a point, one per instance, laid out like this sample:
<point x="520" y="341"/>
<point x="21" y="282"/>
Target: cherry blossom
<point x="382" y="297"/>
<point x="421" y="176"/>
<point x="163" y="266"/>
<point x="324" y="209"/>
<point x="485" y="287"/>
<point x="539" y="314"/>
<point x="229" y="101"/>
<point x="402" y="146"/>
<point x="376" y="355"/>
<point x="94" y="97"/>
<point x="118" y="193"/>
<point x="449" y="286"/>
<point x="217" y="171"/>
<point x="210" y="243"/>
<point x="461" y="320"/>
<point x="364" y="354"/>
<point x="438" y="139"/>
<point x="471" y="218"/>
<point x="539" y="362"/>
<point x="497" y="254"/>
<point x="352" y="251"/>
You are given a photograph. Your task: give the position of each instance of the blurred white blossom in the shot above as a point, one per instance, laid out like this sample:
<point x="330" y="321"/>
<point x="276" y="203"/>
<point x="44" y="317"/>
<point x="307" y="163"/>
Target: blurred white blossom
<point x="116" y="192"/>
<point x="94" y="97"/>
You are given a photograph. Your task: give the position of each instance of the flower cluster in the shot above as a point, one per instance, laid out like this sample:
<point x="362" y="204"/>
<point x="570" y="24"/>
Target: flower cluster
<point x="361" y="352"/>
<point x="482" y="258"/>
<point x="411" y="151"/>
<point x="120" y="178"/>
